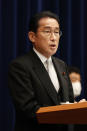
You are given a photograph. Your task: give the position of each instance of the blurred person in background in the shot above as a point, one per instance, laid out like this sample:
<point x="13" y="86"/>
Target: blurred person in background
<point x="75" y="77"/>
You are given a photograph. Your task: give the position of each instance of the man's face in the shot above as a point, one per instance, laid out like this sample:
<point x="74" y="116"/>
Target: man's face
<point x="46" y="38"/>
<point x="75" y="77"/>
<point x="76" y="83"/>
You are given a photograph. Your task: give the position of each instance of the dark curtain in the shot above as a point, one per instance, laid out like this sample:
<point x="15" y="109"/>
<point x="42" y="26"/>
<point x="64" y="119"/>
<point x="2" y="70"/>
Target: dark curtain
<point x="14" y="20"/>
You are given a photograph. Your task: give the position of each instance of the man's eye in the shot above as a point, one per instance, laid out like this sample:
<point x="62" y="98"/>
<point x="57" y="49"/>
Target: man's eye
<point x="47" y="31"/>
<point x="57" y="32"/>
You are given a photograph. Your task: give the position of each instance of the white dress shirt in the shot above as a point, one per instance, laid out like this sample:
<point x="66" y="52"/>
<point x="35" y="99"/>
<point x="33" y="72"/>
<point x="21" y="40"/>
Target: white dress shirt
<point x="50" y="69"/>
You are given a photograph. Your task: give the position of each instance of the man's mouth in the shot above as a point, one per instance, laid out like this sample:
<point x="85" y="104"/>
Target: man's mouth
<point x="52" y="45"/>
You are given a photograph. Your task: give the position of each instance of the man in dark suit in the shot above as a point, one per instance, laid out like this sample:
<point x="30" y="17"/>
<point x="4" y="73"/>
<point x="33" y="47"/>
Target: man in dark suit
<point x="38" y="79"/>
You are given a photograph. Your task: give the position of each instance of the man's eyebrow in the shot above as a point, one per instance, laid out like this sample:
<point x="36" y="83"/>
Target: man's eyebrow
<point x="48" y="27"/>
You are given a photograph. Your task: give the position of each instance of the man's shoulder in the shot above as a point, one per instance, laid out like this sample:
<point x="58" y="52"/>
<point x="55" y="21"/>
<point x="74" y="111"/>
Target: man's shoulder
<point x="58" y="60"/>
<point x="22" y="60"/>
<point x="60" y="63"/>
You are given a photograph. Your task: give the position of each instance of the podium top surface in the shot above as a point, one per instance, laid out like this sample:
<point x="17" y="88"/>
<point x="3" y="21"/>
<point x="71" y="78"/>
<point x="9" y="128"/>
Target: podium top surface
<point x="70" y="106"/>
<point x="75" y="113"/>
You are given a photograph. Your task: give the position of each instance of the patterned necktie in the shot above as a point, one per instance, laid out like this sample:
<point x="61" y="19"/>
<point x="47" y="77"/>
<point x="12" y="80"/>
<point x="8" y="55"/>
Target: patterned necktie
<point x="47" y="65"/>
<point x="52" y="73"/>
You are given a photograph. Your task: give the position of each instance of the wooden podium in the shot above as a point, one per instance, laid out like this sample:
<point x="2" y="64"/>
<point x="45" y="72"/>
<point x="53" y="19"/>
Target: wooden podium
<point x="75" y="113"/>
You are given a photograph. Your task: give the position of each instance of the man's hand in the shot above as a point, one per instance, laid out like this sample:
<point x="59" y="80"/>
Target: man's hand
<point x="82" y="100"/>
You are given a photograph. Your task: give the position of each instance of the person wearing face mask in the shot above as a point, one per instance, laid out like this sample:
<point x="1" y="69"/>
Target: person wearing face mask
<point x="75" y="77"/>
<point x="76" y="88"/>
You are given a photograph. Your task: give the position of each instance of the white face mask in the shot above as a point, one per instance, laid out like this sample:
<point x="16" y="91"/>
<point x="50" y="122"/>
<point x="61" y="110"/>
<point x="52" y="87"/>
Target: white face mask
<point x="76" y="88"/>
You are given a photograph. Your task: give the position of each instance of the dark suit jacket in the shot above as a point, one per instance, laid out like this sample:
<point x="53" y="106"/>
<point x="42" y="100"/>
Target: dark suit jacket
<point x="31" y="88"/>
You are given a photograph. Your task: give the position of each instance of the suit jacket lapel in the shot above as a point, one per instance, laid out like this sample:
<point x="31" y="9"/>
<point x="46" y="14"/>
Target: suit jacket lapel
<point x="44" y="78"/>
<point x="62" y="79"/>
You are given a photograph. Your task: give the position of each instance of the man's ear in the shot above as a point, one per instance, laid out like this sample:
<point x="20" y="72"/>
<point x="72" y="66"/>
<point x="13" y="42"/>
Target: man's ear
<point x="31" y="36"/>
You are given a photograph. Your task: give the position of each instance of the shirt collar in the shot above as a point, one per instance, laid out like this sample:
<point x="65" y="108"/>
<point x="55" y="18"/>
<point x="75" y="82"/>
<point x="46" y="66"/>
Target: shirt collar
<point x="42" y="57"/>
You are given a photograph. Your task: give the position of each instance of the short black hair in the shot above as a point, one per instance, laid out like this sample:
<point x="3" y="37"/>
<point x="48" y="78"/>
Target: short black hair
<point x="33" y="25"/>
<point x="72" y="69"/>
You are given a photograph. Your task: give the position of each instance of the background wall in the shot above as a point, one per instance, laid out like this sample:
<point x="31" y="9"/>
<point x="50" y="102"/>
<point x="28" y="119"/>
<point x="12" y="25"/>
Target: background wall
<point x="14" y="19"/>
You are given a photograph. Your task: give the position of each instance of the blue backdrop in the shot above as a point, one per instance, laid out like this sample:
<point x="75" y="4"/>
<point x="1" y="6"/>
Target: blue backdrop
<point x="14" y="19"/>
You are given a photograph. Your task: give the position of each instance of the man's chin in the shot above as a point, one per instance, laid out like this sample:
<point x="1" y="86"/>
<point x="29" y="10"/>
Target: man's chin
<point x="53" y="52"/>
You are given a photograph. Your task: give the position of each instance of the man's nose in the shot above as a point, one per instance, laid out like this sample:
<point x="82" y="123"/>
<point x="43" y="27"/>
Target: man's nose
<point x="52" y="36"/>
